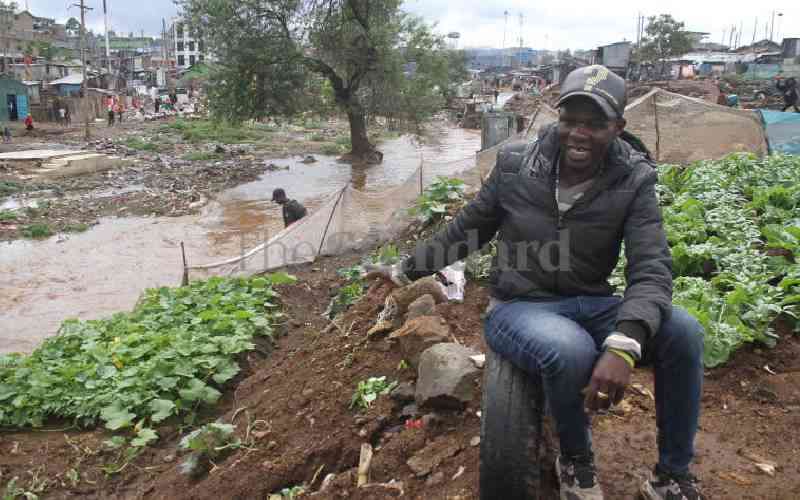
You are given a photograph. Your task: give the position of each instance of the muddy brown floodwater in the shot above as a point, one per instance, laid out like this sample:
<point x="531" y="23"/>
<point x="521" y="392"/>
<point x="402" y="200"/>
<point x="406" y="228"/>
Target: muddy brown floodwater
<point x="104" y="270"/>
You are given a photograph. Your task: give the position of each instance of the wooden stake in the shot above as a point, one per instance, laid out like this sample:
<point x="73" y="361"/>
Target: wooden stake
<point x="364" y="464"/>
<point x="185" y="279"/>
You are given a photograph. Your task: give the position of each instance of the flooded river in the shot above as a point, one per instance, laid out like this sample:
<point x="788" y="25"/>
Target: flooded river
<point x="102" y="271"/>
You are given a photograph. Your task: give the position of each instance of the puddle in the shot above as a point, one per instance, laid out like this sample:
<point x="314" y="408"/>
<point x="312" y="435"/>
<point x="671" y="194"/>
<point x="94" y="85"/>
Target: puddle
<point x="102" y="271"/>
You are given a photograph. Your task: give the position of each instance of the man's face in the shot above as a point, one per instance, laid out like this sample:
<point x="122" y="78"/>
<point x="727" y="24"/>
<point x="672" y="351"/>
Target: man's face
<point x="585" y="133"/>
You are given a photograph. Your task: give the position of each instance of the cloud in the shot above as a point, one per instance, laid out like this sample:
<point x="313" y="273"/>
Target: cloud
<point x="579" y="24"/>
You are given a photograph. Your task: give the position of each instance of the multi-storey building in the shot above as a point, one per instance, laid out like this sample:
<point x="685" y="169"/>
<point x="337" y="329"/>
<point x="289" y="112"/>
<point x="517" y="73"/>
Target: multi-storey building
<point x="188" y="49"/>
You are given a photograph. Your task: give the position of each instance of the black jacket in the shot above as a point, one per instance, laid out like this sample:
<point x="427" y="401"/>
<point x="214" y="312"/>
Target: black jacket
<point x="517" y="203"/>
<point x="293" y="211"/>
<point x="789" y="90"/>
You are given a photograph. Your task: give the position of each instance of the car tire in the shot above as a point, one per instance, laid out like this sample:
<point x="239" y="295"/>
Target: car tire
<point x="516" y="455"/>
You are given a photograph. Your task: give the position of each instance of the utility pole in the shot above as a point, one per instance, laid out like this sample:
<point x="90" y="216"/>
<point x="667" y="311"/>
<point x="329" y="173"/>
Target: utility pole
<point x="84" y="8"/>
<point x="772" y="29"/>
<point x="108" y="45"/>
<point x="755" y="30"/>
<point x="505" y="28"/>
<point x="521" y="22"/>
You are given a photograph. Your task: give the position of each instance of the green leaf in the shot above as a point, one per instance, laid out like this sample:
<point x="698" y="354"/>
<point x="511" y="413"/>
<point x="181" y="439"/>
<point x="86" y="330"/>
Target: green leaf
<point x="226" y="373"/>
<point x="117" y="417"/>
<point x="144" y="437"/>
<point x="161" y="409"/>
<point x="281" y="279"/>
<point x="196" y="390"/>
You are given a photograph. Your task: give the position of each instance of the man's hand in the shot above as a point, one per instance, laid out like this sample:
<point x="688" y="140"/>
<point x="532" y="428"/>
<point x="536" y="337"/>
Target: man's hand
<point x="610" y="378"/>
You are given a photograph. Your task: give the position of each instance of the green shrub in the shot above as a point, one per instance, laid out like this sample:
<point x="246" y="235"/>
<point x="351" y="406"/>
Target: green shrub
<point x="36" y="231"/>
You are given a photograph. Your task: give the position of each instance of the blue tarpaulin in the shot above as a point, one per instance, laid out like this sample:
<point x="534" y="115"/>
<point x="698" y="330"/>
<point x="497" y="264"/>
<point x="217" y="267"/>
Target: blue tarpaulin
<point x="783" y="131"/>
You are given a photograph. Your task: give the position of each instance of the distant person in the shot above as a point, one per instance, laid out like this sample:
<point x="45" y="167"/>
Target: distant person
<point x="29" y="123"/>
<point x="496" y="95"/>
<point x="110" y="113"/>
<point x="157" y="104"/>
<point x="293" y="211"/>
<point x="6" y="134"/>
<point x="67" y="116"/>
<point x="120" y="111"/>
<point x="789" y="90"/>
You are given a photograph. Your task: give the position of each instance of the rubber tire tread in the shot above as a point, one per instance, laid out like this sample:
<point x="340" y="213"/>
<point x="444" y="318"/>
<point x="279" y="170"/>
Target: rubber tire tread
<point x="512" y="410"/>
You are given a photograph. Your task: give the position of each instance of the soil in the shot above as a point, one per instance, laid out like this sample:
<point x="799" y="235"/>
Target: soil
<point x="177" y="179"/>
<point x="291" y="409"/>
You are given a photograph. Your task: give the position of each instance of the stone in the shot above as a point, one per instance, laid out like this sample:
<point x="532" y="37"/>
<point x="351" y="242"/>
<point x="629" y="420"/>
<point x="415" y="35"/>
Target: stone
<point x="431" y="420"/>
<point x="418" y="334"/>
<point x="403" y="393"/>
<point x="409" y="411"/>
<point x="423" y="306"/>
<point x="424" y="461"/>
<point x="435" y="479"/>
<point x="475" y="441"/>
<point x="446" y="377"/>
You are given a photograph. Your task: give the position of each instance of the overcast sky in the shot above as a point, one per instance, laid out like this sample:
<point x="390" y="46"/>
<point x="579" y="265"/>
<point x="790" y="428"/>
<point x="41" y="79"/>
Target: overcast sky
<point x="577" y="24"/>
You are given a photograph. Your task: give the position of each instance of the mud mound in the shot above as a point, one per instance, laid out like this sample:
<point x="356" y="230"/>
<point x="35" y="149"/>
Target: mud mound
<point x="522" y="104"/>
<point x="292" y="413"/>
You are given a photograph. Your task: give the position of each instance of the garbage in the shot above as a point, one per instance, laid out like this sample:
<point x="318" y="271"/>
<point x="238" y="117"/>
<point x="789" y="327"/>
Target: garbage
<point x="454" y="281"/>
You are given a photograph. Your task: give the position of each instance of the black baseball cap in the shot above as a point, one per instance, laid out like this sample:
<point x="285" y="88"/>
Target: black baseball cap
<point x="278" y="195"/>
<point x="599" y="84"/>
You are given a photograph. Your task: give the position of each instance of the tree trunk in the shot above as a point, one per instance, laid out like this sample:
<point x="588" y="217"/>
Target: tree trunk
<point x="362" y="149"/>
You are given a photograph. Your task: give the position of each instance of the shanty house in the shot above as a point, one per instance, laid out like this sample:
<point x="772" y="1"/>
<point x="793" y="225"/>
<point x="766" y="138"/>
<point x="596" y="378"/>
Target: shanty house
<point x="67" y="86"/>
<point x="14" y="95"/>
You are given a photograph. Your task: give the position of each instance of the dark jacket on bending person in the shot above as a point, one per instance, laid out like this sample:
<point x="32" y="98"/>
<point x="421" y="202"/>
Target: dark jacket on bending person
<point x="293" y="211"/>
<point x="543" y="254"/>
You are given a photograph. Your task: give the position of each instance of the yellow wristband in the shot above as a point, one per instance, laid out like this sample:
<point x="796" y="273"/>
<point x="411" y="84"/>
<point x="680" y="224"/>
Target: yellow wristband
<point x="624" y="355"/>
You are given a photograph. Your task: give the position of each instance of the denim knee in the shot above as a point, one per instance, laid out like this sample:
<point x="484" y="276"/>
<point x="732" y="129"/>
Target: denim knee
<point x="680" y="337"/>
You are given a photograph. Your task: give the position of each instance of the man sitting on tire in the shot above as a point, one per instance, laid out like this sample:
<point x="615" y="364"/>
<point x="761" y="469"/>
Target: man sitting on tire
<point x="561" y="207"/>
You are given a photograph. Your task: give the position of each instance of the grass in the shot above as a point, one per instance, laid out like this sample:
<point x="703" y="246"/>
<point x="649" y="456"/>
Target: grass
<point x="37" y="231"/>
<point x="7" y="215"/>
<point x="76" y="228"/>
<point x="318" y="138"/>
<point x="331" y="149"/>
<point x="201" y="156"/>
<point x="141" y="145"/>
<point x="8" y="187"/>
<point x="199" y="131"/>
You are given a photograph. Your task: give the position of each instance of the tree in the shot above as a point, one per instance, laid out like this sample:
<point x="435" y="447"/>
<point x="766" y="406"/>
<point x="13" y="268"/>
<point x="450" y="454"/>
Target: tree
<point x="272" y="51"/>
<point x="73" y="26"/>
<point x="664" y="38"/>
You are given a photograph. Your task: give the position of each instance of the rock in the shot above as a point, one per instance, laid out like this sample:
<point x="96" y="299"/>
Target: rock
<point x="409" y="411"/>
<point x="435" y="479"/>
<point x="309" y="159"/>
<point x="446" y="377"/>
<point x="418" y="334"/>
<point x="403" y="297"/>
<point x="430" y="420"/>
<point x="403" y="393"/>
<point x="433" y="455"/>
<point x="219" y="149"/>
<point x="475" y="441"/>
<point x="479" y="360"/>
<point x="272" y="445"/>
<point x="169" y="458"/>
<point x="308" y="392"/>
<point x="423" y="306"/>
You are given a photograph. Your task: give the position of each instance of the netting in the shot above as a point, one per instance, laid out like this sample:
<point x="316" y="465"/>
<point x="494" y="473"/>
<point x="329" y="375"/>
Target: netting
<point x="783" y="131"/>
<point x="351" y="219"/>
<point x="680" y="129"/>
<point x="676" y="128"/>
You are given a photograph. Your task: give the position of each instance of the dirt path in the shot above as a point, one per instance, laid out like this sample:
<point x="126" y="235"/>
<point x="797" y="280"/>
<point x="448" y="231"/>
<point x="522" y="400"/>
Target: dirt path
<point x="302" y="391"/>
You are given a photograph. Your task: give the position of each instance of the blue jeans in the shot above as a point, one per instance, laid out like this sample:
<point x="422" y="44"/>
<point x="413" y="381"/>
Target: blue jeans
<point x="561" y="340"/>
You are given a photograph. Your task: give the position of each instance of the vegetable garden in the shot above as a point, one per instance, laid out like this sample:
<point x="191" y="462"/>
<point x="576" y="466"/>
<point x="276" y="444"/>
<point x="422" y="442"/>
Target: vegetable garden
<point x="169" y="357"/>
